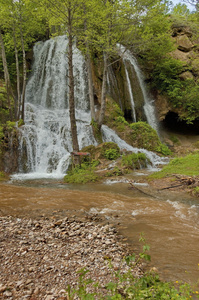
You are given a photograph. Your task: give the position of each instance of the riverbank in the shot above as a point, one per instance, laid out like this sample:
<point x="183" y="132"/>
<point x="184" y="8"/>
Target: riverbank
<point x="41" y="256"/>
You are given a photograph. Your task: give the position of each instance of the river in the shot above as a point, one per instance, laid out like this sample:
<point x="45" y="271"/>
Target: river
<point x="169" y="220"/>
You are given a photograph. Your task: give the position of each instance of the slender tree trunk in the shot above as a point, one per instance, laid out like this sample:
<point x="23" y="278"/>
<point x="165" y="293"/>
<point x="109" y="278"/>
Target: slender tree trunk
<point x="18" y="98"/>
<point x="90" y="79"/>
<point x="103" y="92"/>
<point x="6" y="76"/>
<point x="90" y="83"/>
<point x="24" y="72"/>
<point x="71" y="84"/>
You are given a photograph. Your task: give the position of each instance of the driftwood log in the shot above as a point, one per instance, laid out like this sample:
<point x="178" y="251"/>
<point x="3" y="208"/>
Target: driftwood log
<point x="190" y="181"/>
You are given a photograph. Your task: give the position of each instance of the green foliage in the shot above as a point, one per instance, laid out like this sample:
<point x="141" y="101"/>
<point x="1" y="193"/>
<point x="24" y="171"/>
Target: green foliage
<point x="10" y="125"/>
<point x="163" y="149"/>
<point x="187" y="165"/>
<point x="111" y="154"/>
<point x="110" y="150"/>
<point x="96" y="131"/>
<point x="116" y="171"/>
<point x="21" y="123"/>
<point x="183" y="94"/>
<point x="135" y="161"/>
<point x="166" y="74"/>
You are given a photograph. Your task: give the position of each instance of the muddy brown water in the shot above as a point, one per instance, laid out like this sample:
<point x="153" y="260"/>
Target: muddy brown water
<point x="170" y="222"/>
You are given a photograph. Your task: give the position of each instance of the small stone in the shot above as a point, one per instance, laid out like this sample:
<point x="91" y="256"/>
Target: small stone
<point x="36" y="291"/>
<point x="2" y="288"/>
<point x="31" y="269"/>
<point x="28" y="281"/>
<point x="7" y="294"/>
<point x="19" y="283"/>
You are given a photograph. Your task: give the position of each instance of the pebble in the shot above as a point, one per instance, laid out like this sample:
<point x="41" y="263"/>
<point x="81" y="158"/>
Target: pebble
<point x="41" y="256"/>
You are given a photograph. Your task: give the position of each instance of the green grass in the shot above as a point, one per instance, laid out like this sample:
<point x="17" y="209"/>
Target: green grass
<point x="188" y="165"/>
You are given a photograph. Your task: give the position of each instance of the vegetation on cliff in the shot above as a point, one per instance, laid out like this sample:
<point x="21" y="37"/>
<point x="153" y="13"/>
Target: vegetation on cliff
<point x="175" y="72"/>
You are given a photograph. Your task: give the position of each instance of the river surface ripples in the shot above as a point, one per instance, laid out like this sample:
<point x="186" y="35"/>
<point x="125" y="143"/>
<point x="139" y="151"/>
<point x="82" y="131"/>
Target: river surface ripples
<point x="169" y="221"/>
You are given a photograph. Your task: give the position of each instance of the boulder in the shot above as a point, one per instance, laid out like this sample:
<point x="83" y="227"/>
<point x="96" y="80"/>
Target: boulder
<point x="186" y="75"/>
<point x="183" y="56"/>
<point x="184" y="44"/>
<point x="162" y="107"/>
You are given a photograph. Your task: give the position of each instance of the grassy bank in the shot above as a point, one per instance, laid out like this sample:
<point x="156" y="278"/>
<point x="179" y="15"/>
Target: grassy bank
<point x="188" y="165"/>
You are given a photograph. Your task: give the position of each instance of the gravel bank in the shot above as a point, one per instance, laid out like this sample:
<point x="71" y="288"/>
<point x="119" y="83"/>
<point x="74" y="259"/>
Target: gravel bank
<point x="40" y="256"/>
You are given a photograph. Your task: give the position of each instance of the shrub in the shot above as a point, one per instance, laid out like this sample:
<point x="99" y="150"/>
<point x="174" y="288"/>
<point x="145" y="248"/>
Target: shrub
<point x="111" y="154"/>
<point x="110" y="150"/>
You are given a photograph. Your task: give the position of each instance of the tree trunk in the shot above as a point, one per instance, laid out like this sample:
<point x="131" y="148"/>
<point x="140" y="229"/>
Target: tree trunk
<point x="18" y="99"/>
<point x="71" y="85"/>
<point x="24" y="73"/>
<point x="6" y="75"/>
<point x="90" y="79"/>
<point x="90" y="83"/>
<point x="103" y="92"/>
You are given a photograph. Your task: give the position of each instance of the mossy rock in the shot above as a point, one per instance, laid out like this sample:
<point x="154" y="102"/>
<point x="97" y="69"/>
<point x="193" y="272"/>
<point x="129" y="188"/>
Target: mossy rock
<point x="144" y="136"/>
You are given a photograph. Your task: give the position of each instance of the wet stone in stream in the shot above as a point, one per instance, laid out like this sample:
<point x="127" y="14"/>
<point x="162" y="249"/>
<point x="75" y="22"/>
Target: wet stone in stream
<point x="39" y="257"/>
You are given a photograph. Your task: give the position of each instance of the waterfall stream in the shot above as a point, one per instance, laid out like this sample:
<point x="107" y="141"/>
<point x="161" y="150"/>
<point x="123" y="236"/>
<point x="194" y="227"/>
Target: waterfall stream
<point x="148" y="107"/>
<point x="46" y="141"/>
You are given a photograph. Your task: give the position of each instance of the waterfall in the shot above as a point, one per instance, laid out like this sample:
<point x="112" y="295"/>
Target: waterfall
<point x="130" y="93"/>
<point x="46" y="140"/>
<point x="46" y="143"/>
<point x="148" y="107"/>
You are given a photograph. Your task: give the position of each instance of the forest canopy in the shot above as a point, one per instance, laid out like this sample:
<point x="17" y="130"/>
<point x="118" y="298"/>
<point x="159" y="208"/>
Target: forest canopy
<point x="144" y="26"/>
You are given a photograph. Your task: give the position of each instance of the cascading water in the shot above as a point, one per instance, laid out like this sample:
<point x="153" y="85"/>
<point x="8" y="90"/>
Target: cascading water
<point x="148" y="107"/>
<point x="109" y="135"/>
<point x="46" y="141"/>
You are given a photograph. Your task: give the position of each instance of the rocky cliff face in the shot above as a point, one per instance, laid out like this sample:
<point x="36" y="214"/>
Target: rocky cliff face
<point x="187" y="51"/>
<point x="9" y="152"/>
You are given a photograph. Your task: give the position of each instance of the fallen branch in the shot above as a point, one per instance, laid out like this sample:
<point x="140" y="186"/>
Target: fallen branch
<point x="170" y="187"/>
